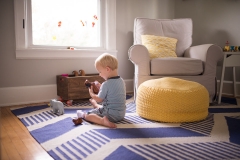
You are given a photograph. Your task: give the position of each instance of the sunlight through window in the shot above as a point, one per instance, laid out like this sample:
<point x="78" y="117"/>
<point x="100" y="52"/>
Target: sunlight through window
<point x="64" y="29"/>
<point x="66" y="23"/>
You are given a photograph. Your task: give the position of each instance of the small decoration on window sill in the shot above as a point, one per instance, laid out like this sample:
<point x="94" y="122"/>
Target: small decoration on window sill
<point x="71" y="48"/>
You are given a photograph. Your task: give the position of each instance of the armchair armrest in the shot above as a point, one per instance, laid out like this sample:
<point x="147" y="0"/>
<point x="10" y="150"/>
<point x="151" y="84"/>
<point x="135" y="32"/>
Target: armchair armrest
<point x="210" y="54"/>
<point x="139" y="56"/>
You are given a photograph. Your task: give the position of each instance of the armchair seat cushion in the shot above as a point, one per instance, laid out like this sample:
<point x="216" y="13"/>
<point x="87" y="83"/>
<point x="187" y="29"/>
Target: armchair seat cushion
<point x="180" y="66"/>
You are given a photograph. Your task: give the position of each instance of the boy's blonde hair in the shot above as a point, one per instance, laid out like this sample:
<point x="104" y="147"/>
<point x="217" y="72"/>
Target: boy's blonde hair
<point x="107" y="60"/>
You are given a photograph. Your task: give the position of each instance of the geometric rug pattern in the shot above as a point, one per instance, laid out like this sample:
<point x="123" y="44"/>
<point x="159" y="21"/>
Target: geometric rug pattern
<point x="216" y="137"/>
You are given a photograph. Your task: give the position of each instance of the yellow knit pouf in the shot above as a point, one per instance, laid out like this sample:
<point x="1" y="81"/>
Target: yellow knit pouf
<point x="172" y="100"/>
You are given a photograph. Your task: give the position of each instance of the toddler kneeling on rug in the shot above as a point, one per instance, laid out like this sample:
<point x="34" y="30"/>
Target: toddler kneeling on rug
<point x="112" y="95"/>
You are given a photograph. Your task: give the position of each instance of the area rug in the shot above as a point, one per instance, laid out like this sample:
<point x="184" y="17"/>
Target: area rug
<point x="216" y="137"/>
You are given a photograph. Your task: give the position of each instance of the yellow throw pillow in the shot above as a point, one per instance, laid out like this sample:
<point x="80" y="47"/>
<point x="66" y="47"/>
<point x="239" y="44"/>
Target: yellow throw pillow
<point x="159" y="47"/>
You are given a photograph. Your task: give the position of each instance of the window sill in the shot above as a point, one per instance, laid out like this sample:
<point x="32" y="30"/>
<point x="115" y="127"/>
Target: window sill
<point x="60" y="53"/>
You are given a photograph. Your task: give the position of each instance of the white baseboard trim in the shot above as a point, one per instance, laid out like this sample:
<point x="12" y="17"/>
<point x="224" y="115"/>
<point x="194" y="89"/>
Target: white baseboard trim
<point x="10" y="96"/>
<point x="129" y="85"/>
<point x="27" y="94"/>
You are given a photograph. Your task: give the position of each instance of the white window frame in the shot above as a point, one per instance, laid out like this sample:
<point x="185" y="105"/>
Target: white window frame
<point x="23" y="51"/>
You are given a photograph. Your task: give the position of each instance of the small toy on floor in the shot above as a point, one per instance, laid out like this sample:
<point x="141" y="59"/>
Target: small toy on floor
<point x="60" y="99"/>
<point x="69" y="102"/>
<point x="78" y="120"/>
<point x="96" y="85"/>
<point x="57" y="106"/>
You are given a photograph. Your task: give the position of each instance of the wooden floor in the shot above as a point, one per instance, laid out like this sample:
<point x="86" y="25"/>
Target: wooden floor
<point x="16" y="141"/>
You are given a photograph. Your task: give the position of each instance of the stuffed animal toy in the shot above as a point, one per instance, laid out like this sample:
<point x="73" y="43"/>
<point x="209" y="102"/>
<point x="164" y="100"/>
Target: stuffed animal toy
<point x="95" y="85"/>
<point x="57" y="107"/>
<point x="80" y="73"/>
<point x="75" y="73"/>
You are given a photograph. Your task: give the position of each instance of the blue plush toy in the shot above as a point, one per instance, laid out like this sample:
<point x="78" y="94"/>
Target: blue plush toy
<point x="57" y="106"/>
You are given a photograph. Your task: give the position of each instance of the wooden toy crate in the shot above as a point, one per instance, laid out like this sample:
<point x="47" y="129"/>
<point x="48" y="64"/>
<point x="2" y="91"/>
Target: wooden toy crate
<point x="73" y="88"/>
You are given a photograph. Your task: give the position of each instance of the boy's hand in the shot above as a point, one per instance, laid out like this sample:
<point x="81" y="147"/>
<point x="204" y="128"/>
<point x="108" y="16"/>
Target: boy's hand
<point x="94" y="85"/>
<point x="97" y="84"/>
<point x="93" y="95"/>
<point x="90" y="89"/>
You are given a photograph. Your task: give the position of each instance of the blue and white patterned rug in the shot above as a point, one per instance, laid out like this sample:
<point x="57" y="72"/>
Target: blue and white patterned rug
<point x="216" y="137"/>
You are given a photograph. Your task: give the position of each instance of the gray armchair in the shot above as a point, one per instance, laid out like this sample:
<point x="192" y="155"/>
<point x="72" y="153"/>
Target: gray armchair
<point x="194" y="63"/>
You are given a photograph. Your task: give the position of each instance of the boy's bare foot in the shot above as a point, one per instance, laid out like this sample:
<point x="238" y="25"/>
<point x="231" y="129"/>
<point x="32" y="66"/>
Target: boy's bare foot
<point x="94" y="103"/>
<point x="107" y="123"/>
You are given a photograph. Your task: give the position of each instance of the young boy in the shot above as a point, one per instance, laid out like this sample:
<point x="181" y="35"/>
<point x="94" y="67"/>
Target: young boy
<point x="112" y="94"/>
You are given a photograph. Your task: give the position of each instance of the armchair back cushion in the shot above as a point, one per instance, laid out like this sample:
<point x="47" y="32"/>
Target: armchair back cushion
<point x="180" y="29"/>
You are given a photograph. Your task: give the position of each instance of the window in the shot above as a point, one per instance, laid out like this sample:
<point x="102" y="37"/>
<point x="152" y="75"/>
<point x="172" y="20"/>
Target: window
<point x="65" y="23"/>
<point x="47" y="28"/>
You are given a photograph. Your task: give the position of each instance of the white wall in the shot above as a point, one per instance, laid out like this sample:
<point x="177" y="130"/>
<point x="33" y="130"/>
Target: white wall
<point x="214" y="21"/>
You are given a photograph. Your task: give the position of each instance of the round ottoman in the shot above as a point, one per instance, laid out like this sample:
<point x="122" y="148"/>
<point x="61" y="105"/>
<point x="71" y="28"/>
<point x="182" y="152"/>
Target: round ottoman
<point x="172" y="100"/>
